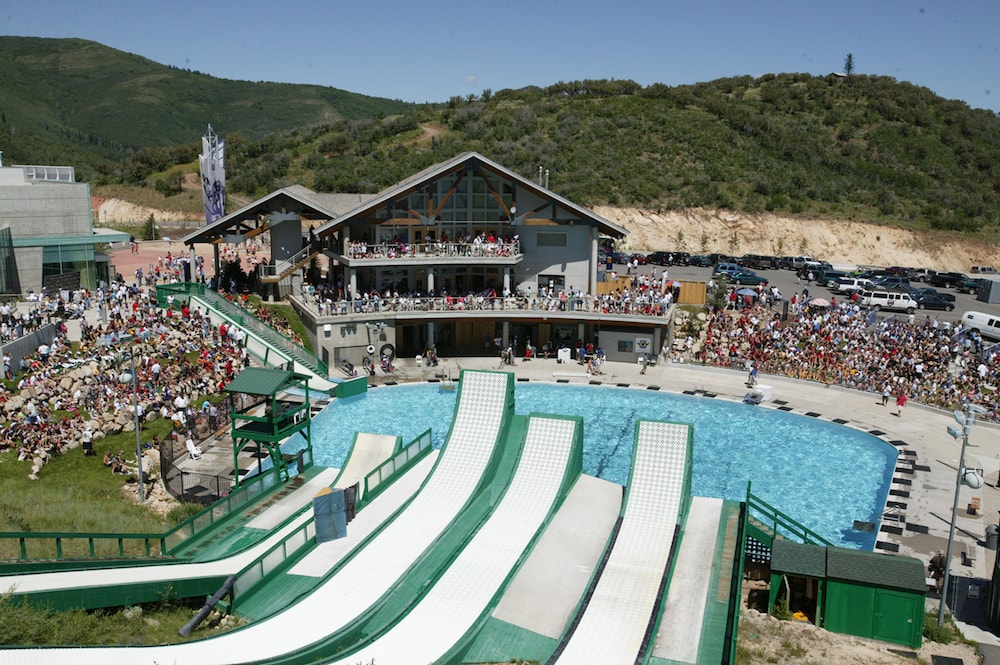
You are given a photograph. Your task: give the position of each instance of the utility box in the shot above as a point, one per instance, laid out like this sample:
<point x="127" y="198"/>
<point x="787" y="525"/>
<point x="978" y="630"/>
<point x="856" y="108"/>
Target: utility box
<point x="330" y="515"/>
<point x="989" y="290"/>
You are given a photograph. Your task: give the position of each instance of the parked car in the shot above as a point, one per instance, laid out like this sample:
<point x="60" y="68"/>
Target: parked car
<point x="786" y="262"/>
<point x="700" y="260"/>
<point x="890" y="283"/>
<point x="930" y="291"/>
<point x="619" y="257"/>
<point x="934" y="302"/>
<point x="659" y="258"/>
<point x="828" y="278"/>
<point x="680" y="258"/>
<point x="946" y="279"/>
<point x="849" y="285"/>
<point x="760" y="261"/>
<point x="728" y="269"/>
<point x="922" y="275"/>
<point x="747" y="278"/>
<point x="640" y="259"/>
<point x="967" y="285"/>
<point x="800" y="262"/>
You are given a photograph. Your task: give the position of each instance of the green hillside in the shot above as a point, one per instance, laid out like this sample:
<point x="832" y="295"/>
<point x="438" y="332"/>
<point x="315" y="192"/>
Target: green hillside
<point x="867" y="148"/>
<point x="72" y="101"/>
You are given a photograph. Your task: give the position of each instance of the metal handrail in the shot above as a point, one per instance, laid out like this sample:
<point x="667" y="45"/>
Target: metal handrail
<point x="395" y="250"/>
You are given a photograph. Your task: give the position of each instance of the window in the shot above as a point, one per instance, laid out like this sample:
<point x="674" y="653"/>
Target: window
<point x="552" y="281"/>
<point x="549" y="239"/>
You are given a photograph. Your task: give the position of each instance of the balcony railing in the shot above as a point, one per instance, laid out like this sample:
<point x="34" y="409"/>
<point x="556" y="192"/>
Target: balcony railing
<point x="579" y="304"/>
<point x="431" y="250"/>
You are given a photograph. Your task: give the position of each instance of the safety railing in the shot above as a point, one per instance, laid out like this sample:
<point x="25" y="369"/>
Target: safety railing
<point x="380" y="478"/>
<point x="62" y="546"/>
<point x="642" y="306"/>
<point x="780" y="524"/>
<point x="243" y="318"/>
<point x="285" y="267"/>
<point x="431" y="250"/>
<point x="274" y="559"/>
<point x="68" y="545"/>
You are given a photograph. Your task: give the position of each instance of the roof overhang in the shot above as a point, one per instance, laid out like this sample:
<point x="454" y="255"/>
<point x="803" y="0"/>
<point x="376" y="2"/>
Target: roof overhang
<point x="379" y="209"/>
<point x="252" y="219"/>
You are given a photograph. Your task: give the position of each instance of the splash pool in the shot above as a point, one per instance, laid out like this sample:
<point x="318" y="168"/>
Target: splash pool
<point x="824" y="475"/>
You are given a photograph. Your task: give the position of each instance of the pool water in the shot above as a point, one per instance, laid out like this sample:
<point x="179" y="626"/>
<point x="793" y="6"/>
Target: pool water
<point x="821" y="474"/>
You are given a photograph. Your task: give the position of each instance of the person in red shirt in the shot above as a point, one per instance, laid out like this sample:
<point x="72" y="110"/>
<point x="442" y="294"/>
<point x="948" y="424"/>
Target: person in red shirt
<point x="900" y="403"/>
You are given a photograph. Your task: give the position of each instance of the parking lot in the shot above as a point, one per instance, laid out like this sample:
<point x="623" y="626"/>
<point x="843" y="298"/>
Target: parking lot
<point x="786" y="282"/>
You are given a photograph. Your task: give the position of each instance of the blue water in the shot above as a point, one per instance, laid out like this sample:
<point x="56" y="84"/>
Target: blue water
<point x="821" y="474"/>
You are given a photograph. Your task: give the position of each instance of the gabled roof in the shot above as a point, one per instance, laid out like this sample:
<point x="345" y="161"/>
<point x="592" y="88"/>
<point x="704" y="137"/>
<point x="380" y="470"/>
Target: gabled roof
<point x="295" y="198"/>
<point x="339" y="210"/>
<point x="263" y="381"/>
<point x="365" y="212"/>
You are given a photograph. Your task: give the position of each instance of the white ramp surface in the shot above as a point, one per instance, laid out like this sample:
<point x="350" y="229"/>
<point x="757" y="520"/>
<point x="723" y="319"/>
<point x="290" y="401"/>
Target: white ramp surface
<point x="464" y="592"/>
<point x="364" y="579"/>
<point x="684" y="609"/>
<point x="614" y="622"/>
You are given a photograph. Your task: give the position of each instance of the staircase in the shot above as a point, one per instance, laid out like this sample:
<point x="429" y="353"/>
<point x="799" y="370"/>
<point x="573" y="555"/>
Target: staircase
<point x="279" y="271"/>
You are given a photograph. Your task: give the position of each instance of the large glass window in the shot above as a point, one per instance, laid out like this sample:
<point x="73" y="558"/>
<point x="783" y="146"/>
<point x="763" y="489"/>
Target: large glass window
<point x="66" y="261"/>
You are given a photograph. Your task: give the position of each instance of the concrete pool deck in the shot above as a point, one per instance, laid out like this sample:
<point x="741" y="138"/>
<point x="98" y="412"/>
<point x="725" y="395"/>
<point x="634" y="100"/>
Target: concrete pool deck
<point x="922" y="494"/>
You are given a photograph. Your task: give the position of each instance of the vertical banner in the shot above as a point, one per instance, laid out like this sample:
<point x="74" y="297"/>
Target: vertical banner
<point x="212" y="161"/>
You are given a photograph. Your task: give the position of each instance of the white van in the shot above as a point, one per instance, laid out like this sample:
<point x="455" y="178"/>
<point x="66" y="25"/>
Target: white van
<point x="799" y="262"/>
<point x="988" y="325"/>
<point x="891" y="300"/>
<point x="847" y="285"/>
<point x="984" y="270"/>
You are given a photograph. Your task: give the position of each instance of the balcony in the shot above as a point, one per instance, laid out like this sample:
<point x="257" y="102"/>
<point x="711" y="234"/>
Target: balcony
<point x="362" y="253"/>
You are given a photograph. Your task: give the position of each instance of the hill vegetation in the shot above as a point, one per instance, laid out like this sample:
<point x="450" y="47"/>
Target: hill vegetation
<point x="865" y="148"/>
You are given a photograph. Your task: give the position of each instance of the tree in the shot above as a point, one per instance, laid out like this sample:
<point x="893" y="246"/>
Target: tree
<point x="149" y="229"/>
<point x="849" y="65"/>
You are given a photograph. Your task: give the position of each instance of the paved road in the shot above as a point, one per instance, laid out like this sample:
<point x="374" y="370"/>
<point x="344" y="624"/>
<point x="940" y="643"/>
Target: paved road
<point x="786" y="283"/>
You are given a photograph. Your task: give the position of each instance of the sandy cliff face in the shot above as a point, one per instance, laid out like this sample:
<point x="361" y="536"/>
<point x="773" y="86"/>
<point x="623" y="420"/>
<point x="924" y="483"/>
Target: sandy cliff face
<point x="699" y="230"/>
<point x="839" y="242"/>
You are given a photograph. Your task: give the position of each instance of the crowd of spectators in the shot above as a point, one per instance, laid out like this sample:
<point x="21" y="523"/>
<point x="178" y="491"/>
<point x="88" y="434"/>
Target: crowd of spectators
<point x="933" y="362"/>
<point x="178" y="356"/>
<point x="637" y="295"/>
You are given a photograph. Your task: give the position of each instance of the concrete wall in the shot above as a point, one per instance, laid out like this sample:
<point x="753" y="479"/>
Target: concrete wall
<point x="45" y="210"/>
<point x="572" y="260"/>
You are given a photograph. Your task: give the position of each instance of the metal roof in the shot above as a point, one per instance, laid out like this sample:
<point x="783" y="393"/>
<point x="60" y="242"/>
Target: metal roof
<point x="263" y="381"/>
<point x="459" y="163"/>
<point x="341" y="209"/>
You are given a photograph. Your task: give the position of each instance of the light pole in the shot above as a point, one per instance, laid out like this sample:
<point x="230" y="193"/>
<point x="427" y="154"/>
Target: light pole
<point x="965" y="476"/>
<point x="112" y="340"/>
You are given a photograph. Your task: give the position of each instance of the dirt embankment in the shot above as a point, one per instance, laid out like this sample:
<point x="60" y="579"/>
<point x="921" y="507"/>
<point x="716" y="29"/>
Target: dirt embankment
<point x="699" y="231"/>
<point x="839" y="242"/>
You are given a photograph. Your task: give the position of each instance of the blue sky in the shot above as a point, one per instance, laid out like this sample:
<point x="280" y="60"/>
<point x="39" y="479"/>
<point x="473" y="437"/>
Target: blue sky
<point x="433" y="51"/>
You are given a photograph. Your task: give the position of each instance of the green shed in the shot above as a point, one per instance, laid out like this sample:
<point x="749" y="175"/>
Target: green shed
<point x="876" y="596"/>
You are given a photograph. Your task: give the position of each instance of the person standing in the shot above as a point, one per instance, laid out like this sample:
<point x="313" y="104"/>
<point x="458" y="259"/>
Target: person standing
<point x="936" y="569"/>
<point x="87" y="442"/>
<point x="885" y="394"/>
<point x="900" y="402"/>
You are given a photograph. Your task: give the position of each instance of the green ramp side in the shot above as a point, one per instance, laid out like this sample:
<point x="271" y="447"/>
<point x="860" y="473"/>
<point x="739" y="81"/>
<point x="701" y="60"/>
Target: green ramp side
<point x="431" y="563"/>
<point x="492" y="640"/>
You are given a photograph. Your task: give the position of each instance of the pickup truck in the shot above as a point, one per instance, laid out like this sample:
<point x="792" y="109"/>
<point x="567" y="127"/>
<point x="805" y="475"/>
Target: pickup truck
<point x="959" y="281"/>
